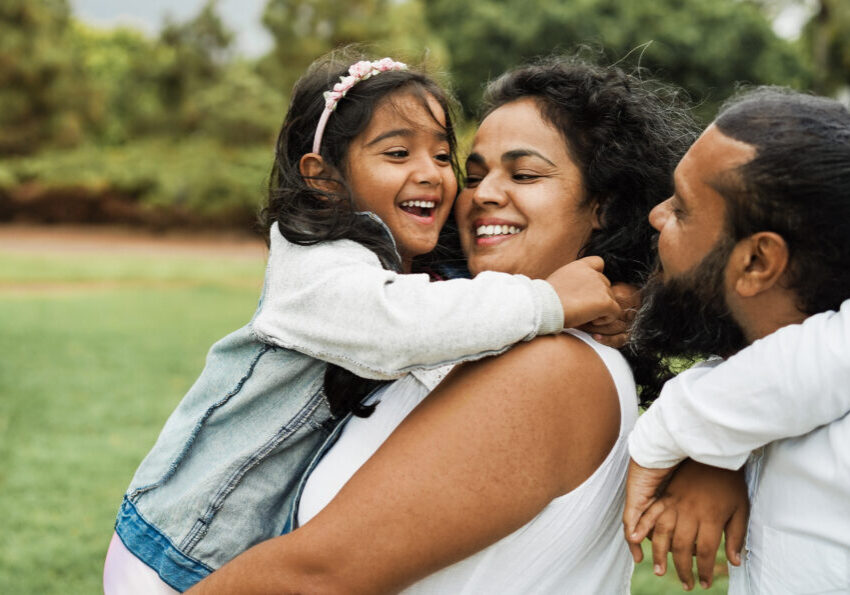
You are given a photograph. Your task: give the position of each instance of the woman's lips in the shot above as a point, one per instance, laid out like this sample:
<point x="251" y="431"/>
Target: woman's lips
<point x="488" y="232"/>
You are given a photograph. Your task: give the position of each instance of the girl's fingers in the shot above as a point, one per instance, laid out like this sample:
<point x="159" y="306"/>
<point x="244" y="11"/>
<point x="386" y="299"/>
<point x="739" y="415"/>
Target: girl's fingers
<point x="707" y="544"/>
<point x="662" y="535"/>
<point x="736" y="530"/>
<point x="636" y="551"/>
<point x="647" y="521"/>
<point x="683" y="550"/>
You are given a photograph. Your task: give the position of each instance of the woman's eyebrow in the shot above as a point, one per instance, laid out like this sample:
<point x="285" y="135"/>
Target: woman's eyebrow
<point x="519" y="153"/>
<point x="475" y="158"/>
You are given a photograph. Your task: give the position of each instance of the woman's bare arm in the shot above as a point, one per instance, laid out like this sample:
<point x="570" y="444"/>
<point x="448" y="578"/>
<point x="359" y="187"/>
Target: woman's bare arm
<point x="479" y="458"/>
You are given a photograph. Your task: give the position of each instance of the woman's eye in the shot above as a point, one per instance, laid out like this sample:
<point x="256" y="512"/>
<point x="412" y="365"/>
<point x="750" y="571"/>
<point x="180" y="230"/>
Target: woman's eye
<point x="524" y="177"/>
<point x="397" y="153"/>
<point x="471" y="181"/>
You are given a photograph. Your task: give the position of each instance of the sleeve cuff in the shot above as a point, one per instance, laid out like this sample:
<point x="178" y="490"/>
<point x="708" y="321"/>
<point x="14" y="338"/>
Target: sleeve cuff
<point x="549" y="306"/>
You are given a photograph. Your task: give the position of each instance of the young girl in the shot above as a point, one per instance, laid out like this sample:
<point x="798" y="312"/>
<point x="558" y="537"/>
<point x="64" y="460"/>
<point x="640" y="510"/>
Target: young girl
<point x="362" y="184"/>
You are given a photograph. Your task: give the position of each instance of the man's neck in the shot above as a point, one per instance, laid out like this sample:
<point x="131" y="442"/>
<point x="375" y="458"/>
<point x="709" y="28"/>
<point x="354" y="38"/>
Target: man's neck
<point x="765" y="314"/>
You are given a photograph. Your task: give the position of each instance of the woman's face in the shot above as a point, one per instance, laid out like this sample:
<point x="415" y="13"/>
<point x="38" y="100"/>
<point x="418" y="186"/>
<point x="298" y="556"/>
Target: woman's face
<point x="522" y="209"/>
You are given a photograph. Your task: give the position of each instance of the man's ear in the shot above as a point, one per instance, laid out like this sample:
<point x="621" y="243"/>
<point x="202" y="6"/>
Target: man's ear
<point x="758" y="263"/>
<point x="317" y="174"/>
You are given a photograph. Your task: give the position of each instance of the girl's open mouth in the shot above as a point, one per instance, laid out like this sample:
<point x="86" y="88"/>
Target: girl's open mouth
<point x="419" y="208"/>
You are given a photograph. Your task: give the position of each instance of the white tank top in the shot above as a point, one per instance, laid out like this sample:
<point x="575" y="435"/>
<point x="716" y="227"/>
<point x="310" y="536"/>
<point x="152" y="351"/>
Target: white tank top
<point x="575" y="544"/>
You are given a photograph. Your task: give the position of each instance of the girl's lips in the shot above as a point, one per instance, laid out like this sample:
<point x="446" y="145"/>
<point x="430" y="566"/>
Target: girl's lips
<point x="421" y="219"/>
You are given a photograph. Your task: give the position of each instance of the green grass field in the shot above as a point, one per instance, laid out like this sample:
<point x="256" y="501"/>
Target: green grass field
<point x="96" y="351"/>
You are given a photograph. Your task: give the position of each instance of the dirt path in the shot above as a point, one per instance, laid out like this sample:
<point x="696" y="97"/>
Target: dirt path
<point x="81" y="239"/>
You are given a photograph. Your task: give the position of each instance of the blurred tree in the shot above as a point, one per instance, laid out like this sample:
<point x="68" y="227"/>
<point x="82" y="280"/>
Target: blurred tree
<point x="826" y="38"/>
<point x="241" y="108"/>
<point x="196" y="55"/>
<point x="43" y="97"/>
<point x="703" y="45"/>
<point x="303" y="30"/>
<point x="123" y="68"/>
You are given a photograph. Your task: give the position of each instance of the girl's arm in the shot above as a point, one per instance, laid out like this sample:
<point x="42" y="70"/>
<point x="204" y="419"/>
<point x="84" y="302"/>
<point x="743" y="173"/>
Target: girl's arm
<point x="333" y="301"/>
<point x="783" y="385"/>
<point x="479" y="458"/>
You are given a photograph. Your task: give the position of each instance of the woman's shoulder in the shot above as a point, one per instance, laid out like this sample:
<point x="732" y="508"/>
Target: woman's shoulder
<point x="567" y="389"/>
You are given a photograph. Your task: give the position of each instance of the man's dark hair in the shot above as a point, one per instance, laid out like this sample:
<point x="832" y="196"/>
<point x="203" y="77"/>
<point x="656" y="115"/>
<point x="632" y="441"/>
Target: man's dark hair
<point x="797" y="185"/>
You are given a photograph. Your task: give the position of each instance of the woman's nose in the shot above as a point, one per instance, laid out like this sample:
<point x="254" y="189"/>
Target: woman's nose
<point x="488" y="193"/>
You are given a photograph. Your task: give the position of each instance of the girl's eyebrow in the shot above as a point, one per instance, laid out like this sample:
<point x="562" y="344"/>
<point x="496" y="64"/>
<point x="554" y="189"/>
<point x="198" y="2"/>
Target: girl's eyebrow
<point x="405" y="133"/>
<point x="519" y="153"/>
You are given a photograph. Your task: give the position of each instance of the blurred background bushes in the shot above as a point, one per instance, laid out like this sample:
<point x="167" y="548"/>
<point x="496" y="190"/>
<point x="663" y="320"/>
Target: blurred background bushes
<point x="177" y="129"/>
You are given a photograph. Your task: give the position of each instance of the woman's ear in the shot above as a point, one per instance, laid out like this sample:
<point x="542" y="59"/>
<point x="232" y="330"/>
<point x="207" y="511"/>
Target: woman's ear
<point x="758" y="263"/>
<point x="595" y="219"/>
<point x="317" y="174"/>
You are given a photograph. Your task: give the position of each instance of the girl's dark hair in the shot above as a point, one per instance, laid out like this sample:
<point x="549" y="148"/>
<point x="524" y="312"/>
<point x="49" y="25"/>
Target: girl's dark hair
<point x="306" y="215"/>
<point x="626" y="135"/>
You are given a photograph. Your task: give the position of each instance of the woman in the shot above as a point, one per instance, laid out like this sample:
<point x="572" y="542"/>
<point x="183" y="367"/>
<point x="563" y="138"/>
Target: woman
<point x="523" y="454"/>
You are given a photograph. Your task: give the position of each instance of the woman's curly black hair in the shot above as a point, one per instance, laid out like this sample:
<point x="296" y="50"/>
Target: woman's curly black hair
<point x="626" y="135"/>
<point x="307" y="215"/>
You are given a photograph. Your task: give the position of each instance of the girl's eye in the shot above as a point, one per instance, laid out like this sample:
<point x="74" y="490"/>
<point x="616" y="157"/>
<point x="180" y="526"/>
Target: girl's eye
<point x="397" y="153"/>
<point x="443" y="158"/>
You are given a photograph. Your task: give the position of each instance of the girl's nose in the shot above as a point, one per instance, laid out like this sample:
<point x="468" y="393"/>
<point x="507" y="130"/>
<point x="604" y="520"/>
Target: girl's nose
<point x="427" y="172"/>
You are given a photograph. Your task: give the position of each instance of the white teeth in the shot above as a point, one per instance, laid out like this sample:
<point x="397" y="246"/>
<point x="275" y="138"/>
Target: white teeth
<point x="494" y="230"/>
<point x="425" y="204"/>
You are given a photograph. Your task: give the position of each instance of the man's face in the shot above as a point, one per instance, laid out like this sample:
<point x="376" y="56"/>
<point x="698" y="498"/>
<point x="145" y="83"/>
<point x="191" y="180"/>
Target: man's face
<point x="685" y="309"/>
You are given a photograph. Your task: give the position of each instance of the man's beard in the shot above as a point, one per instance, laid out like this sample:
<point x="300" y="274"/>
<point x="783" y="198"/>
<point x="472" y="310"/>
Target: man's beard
<point x="687" y="315"/>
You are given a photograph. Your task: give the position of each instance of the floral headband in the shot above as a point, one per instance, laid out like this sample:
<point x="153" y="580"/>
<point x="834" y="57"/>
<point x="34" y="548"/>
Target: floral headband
<point x="359" y="71"/>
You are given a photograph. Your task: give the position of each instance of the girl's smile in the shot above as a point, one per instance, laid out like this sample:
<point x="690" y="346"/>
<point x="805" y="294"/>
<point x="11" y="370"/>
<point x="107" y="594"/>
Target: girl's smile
<point x="400" y="169"/>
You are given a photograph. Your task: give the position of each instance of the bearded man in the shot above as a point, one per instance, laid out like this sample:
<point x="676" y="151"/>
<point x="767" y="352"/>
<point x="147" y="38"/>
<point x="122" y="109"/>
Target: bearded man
<point x="754" y="241"/>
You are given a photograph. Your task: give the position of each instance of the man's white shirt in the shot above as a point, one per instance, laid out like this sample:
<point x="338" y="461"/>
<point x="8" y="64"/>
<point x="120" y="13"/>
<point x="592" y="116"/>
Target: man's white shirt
<point x="781" y="406"/>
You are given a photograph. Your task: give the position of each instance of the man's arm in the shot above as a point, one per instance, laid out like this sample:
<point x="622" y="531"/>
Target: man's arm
<point x="479" y="458"/>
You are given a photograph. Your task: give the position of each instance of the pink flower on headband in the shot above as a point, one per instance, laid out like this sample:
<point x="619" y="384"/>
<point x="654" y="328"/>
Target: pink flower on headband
<point x="359" y="71"/>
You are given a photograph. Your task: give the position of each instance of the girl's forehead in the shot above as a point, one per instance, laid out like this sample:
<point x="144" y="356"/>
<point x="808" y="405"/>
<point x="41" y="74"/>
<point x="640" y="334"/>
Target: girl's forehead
<point x="420" y="109"/>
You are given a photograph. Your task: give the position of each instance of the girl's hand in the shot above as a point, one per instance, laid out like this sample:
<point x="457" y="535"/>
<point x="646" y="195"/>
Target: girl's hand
<point x="616" y="334"/>
<point x="585" y="293"/>
<point x="689" y="518"/>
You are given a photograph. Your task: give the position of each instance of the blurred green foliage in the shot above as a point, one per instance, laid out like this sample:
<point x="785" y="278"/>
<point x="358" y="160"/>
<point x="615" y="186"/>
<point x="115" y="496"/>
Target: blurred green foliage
<point x="179" y="119"/>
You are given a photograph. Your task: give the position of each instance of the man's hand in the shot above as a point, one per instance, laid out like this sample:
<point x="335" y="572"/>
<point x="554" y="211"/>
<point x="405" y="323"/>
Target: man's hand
<point x="585" y="293"/>
<point x="697" y="505"/>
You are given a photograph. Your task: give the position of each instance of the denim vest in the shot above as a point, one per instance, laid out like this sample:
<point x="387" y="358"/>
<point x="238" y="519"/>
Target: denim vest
<point x="236" y="442"/>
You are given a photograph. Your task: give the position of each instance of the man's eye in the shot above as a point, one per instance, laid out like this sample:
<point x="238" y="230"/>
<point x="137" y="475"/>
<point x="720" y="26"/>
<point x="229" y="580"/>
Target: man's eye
<point x="524" y="177"/>
<point x="471" y="181"/>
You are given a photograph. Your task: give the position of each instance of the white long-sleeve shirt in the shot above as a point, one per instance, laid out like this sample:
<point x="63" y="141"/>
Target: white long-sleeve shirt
<point x="781" y="405"/>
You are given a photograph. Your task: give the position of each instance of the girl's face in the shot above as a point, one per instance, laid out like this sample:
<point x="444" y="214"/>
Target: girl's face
<point x="522" y="210"/>
<point x="400" y="169"/>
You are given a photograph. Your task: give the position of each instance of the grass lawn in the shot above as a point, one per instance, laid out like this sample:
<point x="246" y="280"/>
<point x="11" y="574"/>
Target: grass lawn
<point x="97" y="349"/>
